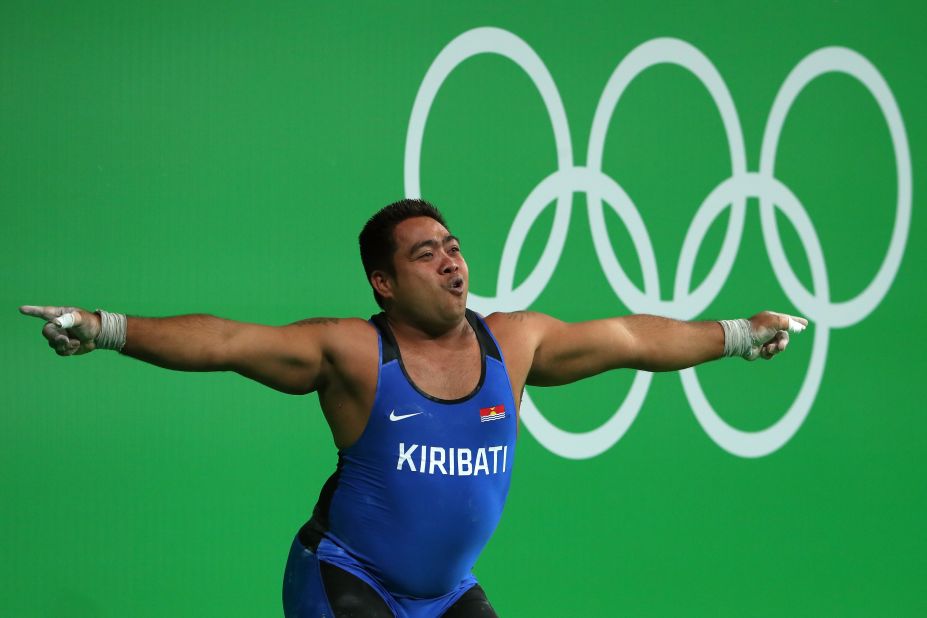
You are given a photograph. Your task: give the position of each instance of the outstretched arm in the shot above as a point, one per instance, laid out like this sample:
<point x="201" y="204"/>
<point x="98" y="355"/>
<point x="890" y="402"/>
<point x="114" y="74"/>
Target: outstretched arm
<point x="565" y="352"/>
<point x="287" y="358"/>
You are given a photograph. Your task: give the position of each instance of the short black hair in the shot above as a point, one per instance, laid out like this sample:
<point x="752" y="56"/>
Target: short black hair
<point x="377" y="244"/>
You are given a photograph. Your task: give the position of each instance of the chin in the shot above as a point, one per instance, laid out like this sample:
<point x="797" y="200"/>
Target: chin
<point x="461" y="301"/>
<point x="457" y="309"/>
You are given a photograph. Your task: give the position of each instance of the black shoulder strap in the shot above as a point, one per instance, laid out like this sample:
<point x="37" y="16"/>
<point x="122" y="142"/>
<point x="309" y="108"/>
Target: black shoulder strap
<point x="388" y="341"/>
<point x="483" y="336"/>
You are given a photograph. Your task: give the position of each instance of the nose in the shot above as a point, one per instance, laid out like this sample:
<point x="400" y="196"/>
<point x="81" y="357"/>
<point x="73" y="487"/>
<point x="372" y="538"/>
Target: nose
<point x="449" y="266"/>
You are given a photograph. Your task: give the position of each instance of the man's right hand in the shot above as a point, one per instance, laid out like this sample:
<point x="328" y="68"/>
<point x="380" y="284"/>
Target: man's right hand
<point x="69" y="330"/>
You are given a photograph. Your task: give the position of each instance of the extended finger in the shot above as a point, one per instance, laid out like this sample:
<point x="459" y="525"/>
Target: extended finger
<point x="51" y="313"/>
<point x="45" y="313"/>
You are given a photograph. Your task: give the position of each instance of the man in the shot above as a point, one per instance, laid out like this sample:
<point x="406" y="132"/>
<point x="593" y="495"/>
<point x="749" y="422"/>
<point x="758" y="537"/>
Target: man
<point x="422" y="402"/>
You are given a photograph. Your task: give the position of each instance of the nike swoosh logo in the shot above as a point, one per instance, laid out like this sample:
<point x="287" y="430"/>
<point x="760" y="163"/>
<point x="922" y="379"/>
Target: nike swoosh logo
<point x="394" y="417"/>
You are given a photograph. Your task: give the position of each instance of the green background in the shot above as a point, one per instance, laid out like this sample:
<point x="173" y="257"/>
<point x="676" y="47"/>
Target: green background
<point x="169" y="158"/>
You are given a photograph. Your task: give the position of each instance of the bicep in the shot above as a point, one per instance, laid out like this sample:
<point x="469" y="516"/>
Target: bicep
<point x="569" y="352"/>
<point x="289" y="359"/>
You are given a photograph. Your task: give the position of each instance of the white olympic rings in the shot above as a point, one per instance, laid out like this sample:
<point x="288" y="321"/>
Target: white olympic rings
<point x="686" y="303"/>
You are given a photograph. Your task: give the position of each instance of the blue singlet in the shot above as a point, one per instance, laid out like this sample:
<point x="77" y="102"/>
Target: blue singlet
<point x="417" y="497"/>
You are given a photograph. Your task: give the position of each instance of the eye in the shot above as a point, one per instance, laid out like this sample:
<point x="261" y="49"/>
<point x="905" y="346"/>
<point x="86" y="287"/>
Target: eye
<point x="427" y="254"/>
<point x="454" y="249"/>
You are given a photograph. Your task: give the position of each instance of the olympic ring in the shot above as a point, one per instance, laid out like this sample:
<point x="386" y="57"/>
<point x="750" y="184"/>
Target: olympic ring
<point x="734" y="191"/>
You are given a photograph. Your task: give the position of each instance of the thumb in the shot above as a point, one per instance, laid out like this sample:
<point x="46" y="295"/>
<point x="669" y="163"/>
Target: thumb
<point x="69" y="320"/>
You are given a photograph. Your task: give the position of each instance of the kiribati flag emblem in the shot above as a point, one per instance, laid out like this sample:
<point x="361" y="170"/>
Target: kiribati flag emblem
<point x="492" y="414"/>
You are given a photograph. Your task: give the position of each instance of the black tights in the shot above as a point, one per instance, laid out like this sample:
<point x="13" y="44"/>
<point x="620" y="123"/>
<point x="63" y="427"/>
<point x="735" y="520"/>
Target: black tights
<point x="351" y="597"/>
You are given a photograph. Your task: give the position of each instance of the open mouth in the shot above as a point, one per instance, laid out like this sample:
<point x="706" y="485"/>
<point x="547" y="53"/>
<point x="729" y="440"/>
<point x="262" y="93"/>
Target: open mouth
<point x="456" y="286"/>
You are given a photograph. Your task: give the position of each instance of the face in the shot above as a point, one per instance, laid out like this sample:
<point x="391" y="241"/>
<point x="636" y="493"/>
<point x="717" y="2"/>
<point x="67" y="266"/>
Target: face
<point x="431" y="280"/>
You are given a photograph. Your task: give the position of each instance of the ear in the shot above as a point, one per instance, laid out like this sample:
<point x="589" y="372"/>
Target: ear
<point x="382" y="283"/>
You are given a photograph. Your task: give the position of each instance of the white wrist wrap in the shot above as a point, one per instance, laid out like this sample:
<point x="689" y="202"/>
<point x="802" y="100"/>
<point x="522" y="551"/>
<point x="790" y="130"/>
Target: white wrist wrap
<point x="738" y="337"/>
<point x="112" y="331"/>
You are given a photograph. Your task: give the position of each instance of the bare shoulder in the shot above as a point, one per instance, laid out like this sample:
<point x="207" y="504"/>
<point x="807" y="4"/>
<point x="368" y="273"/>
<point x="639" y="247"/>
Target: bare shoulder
<point x="508" y="320"/>
<point x="518" y="323"/>
<point x="519" y="329"/>
<point x="348" y="349"/>
<point x="527" y="330"/>
<point x="519" y="334"/>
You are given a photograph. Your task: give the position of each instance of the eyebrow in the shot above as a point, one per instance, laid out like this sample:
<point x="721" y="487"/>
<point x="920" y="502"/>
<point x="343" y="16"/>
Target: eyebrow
<point x="432" y="243"/>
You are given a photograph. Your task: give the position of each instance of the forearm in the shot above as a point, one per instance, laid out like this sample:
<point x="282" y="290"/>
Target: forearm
<point x="664" y="344"/>
<point x="185" y="343"/>
<point x="565" y="352"/>
<point x="570" y="352"/>
<point x="287" y="358"/>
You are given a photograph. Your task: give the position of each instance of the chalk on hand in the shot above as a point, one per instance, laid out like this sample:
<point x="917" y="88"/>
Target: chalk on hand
<point x="795" y="326"/>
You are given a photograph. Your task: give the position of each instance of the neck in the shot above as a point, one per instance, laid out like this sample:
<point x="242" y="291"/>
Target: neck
<point x="408" y="327"/>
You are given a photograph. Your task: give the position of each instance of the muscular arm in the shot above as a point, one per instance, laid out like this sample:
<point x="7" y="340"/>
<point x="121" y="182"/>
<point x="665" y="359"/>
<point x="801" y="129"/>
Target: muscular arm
<point x="565" y="353"/>
<point x="288" y="358"/>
